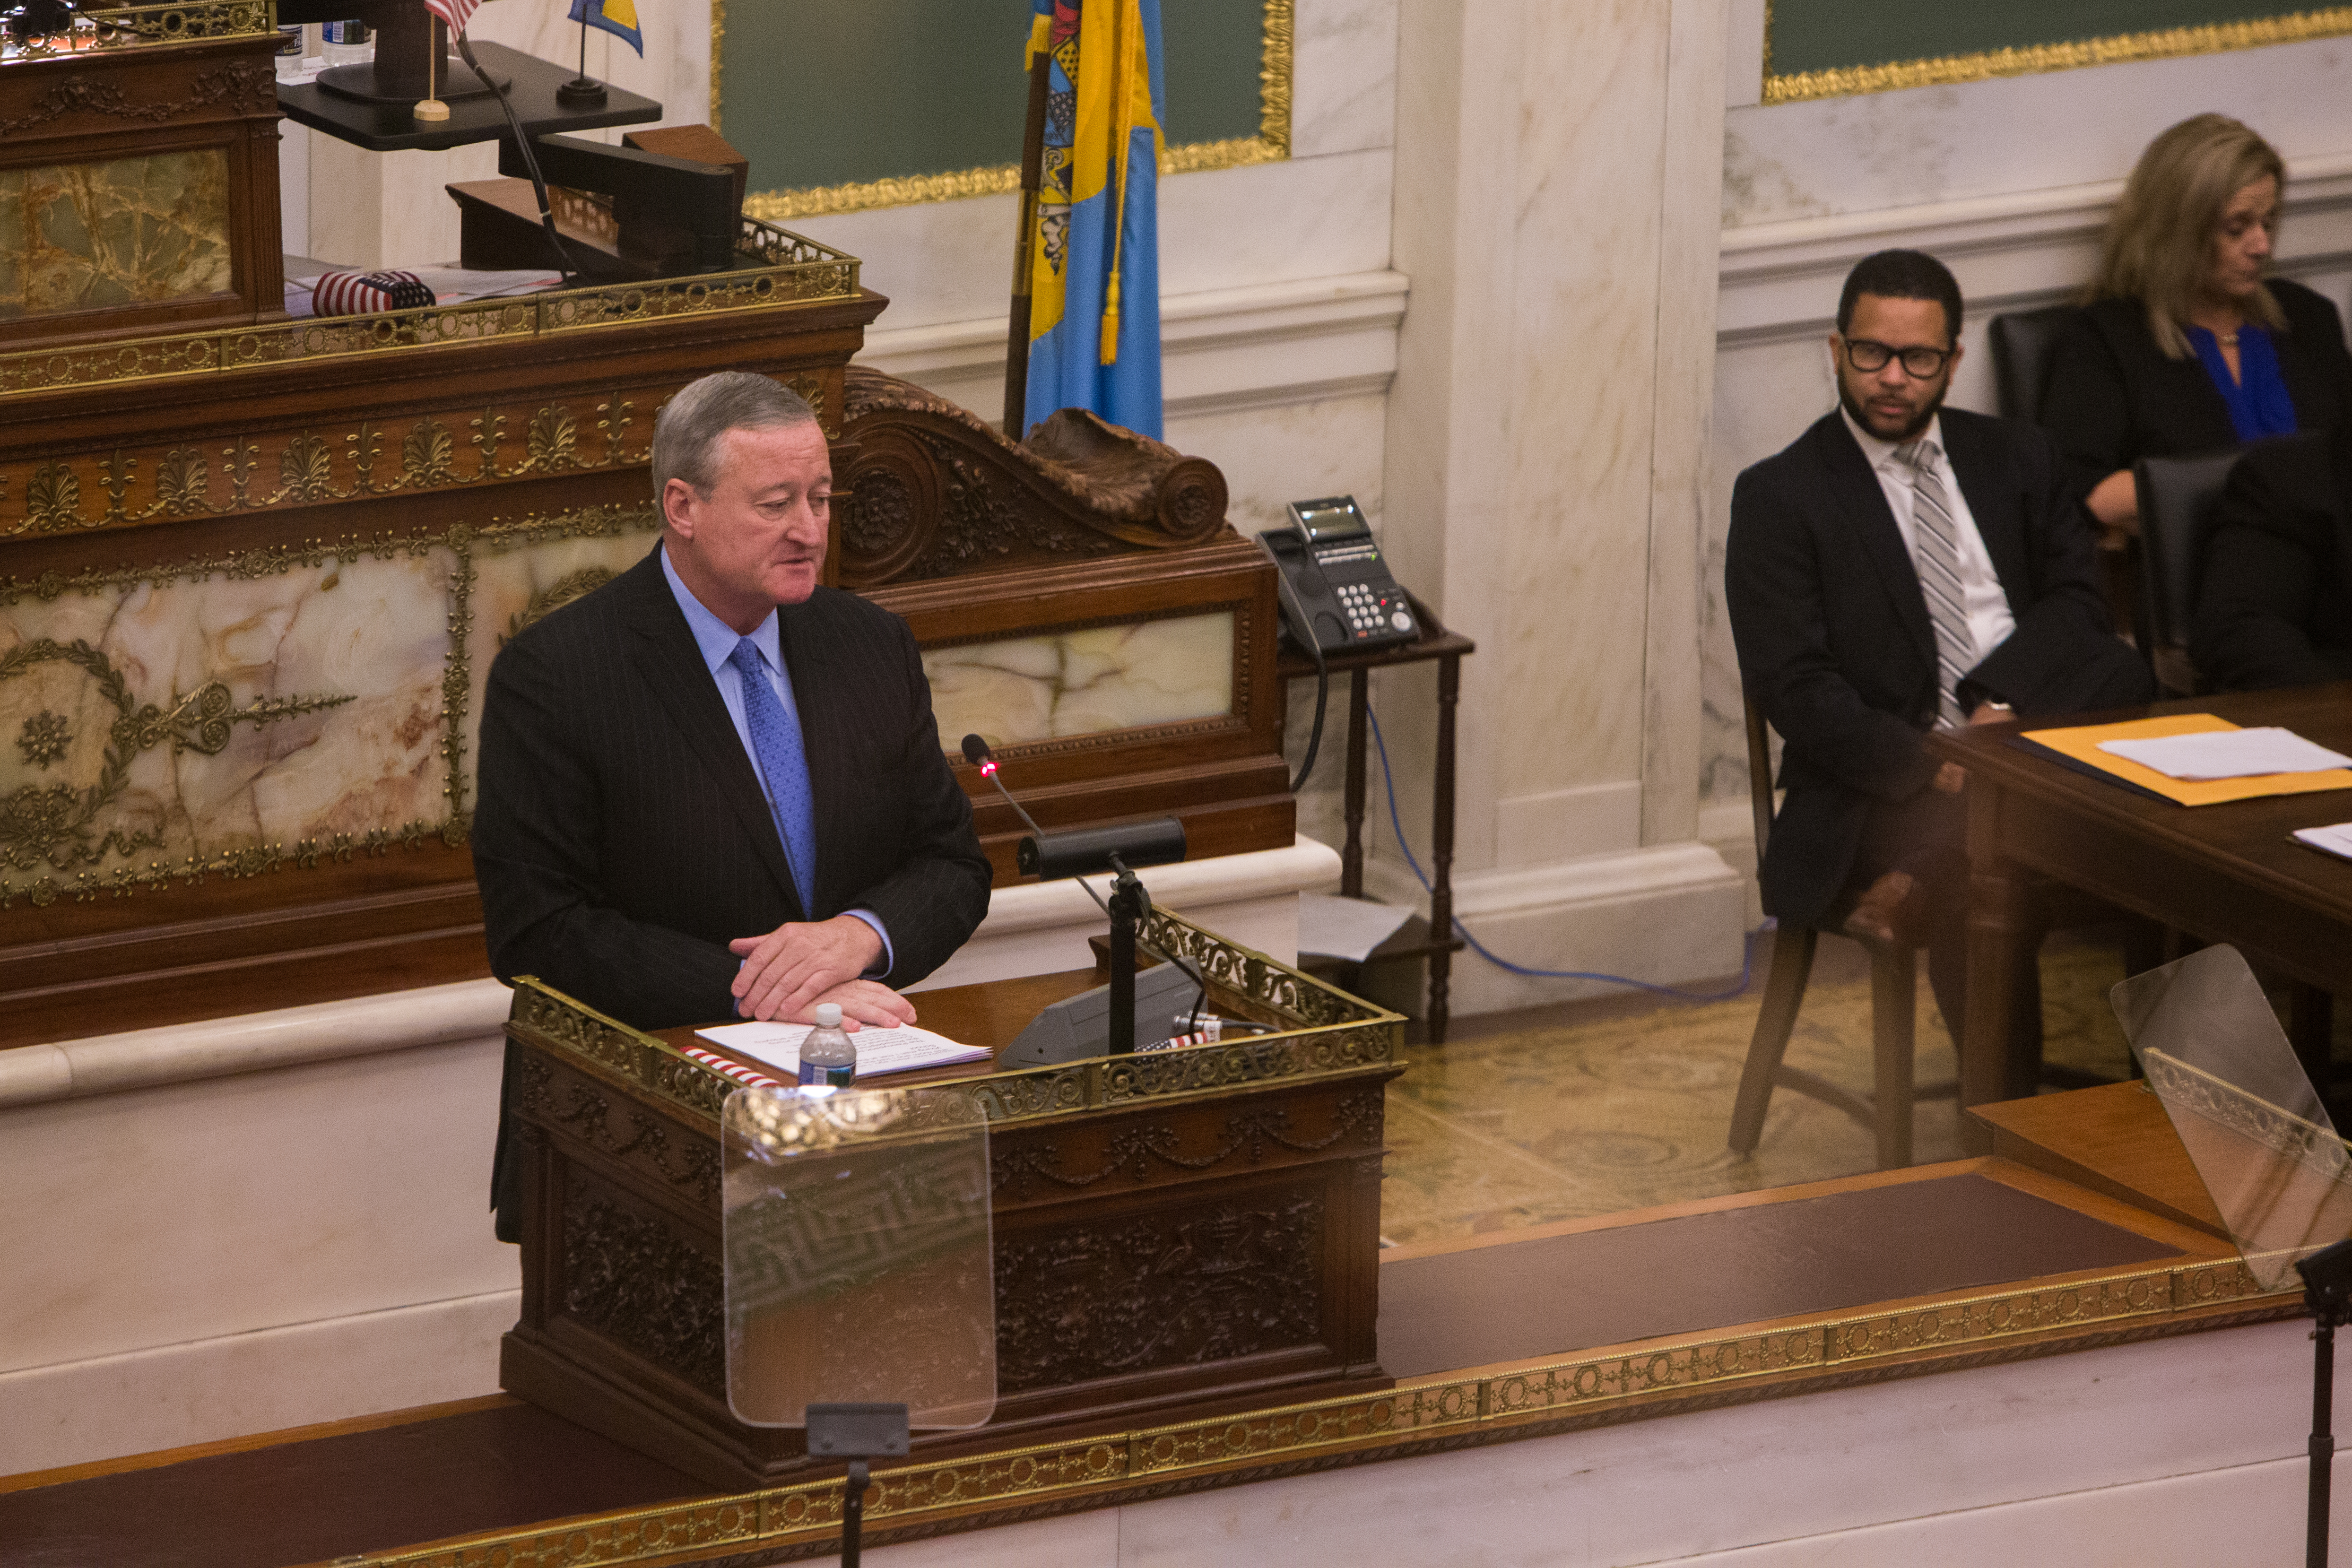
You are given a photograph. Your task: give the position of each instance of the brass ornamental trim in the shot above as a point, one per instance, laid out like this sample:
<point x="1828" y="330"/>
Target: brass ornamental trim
<point x="106" y="29"/>
<point x="1431" y="1415"/>
<point x="2162" y="43"/>
<point x="786" y="271"/>
<point x="1331" y="1034"/>
<point x="1270" y="145"/>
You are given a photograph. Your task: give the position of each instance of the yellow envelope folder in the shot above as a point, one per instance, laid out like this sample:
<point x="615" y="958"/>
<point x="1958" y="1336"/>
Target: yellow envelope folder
<point x="2082" y="744"/>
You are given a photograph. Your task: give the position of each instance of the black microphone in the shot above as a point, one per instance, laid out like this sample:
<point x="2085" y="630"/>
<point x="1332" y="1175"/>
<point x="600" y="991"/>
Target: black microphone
<point x="976" y="752"/>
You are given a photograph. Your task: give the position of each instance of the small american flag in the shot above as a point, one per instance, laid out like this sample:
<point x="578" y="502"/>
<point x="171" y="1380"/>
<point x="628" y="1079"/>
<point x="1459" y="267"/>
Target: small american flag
<point x="453" y="12"/>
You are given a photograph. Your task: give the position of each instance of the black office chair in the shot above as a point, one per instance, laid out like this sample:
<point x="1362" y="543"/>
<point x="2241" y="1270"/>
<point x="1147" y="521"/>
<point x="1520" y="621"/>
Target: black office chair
<point x="2021" y="344"/>
<point x="1894" y="986"/>
<point x="2177" y="497"/>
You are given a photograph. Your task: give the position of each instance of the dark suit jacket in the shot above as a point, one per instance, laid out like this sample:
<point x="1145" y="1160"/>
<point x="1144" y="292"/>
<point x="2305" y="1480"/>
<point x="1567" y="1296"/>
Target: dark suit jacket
<point x="2113" y="398"/>
<point x="2274" y="601"/>
<point x="622" y="837"/>
<point x="1835" y="643"/>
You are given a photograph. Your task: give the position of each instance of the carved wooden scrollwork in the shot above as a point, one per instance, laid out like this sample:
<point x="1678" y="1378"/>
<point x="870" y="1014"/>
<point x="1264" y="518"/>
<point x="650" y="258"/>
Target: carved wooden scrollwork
<point x="934" y="492"/>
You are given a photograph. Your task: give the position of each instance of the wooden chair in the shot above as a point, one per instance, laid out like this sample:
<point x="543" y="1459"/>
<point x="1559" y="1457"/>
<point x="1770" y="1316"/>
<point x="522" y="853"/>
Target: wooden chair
<point x="1893" y="987"/>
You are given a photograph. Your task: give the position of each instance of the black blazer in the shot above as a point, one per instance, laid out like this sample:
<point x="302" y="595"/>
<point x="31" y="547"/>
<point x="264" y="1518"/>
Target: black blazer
<point x="2113" y="398"/>
<point x="622" y="839"/>
<point x="1835" y="645"/>
<point x="2274" y="601"/>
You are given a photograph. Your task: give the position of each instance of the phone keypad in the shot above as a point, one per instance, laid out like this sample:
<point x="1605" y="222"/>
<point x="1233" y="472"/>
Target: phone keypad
<point x="1373" y="613"/>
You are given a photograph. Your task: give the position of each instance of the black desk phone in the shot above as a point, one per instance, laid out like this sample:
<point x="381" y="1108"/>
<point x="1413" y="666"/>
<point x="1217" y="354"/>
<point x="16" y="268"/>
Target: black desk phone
<point x="1336" y="592"/>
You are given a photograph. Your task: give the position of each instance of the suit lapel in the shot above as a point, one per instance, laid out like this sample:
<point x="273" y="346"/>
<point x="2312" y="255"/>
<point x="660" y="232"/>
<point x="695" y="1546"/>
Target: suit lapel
<point x="1872" y="522"/>
<point x="670" y="664"/>
<point x="1992" y="505"/>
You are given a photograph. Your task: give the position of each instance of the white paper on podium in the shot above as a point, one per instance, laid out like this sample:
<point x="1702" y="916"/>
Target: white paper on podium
<point x="879" y="1050"/>
<point x="2228" y="753"/>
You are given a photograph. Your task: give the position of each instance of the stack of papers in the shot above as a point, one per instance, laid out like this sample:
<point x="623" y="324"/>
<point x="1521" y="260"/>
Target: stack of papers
<point x="2228" y="753"/>
<point x="1346" y="928"/>
<point x="2212" y="762"/>
<point x="2335" y="839"/>
<point x="879" y="1050"/>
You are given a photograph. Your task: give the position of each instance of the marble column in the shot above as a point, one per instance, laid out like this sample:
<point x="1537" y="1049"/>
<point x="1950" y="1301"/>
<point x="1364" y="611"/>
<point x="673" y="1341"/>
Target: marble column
<point x="1558" y="177"/>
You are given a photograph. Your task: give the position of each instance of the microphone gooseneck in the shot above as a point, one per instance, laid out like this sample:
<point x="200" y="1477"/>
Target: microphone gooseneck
<point x="977" y="753"/>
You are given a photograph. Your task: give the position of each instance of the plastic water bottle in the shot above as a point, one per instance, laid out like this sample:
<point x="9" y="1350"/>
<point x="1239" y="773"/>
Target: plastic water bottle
<point x="828" y="1056"/>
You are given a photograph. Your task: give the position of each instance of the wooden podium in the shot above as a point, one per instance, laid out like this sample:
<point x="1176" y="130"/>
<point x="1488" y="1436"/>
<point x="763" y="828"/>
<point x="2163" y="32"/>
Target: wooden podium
<point x="1175" y="1232"/>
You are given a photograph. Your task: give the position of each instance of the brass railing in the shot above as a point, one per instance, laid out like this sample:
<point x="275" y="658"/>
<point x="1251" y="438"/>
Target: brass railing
<point x="780" y="269"/>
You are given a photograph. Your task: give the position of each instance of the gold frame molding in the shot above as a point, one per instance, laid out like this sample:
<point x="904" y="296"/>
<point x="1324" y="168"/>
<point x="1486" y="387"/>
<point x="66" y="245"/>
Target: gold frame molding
<point x="2170" y="43"/>
<point x="1270" y="145"/>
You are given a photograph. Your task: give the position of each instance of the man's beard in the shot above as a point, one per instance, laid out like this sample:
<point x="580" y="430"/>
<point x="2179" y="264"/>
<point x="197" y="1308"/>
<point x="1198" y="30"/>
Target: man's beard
<point x="1855" y="409"/>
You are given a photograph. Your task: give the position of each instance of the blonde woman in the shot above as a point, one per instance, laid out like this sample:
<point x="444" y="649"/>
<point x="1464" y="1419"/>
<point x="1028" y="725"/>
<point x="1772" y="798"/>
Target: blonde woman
<point x="2184" y="345"/>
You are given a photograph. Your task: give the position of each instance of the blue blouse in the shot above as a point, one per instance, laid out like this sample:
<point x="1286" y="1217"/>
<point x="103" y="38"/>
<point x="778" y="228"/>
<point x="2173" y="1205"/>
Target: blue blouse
<point x="2258" y="400"/>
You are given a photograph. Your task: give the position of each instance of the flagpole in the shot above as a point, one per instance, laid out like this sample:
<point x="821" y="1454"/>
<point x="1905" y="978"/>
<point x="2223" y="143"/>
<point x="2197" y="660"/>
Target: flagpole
<point x="1032" y="176"/>
<point x="430" y="106"/>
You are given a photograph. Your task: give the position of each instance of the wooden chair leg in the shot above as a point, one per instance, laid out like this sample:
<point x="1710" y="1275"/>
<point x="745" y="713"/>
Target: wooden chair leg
<point x="1784" y="992"/>
<point x="1894" y="1012"/>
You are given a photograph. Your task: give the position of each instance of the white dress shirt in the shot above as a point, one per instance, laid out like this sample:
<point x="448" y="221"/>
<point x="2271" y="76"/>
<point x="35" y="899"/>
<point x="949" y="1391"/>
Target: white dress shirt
<point x="1990" y="621"/>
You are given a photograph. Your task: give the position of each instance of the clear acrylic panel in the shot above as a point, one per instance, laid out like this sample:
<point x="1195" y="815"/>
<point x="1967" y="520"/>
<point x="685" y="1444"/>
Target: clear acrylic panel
<point x="2246" y="1111"/>
<point x="858" y="1260"/>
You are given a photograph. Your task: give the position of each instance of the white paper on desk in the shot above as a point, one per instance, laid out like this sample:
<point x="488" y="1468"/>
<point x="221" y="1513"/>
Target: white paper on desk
<point x="2335" y="839"/>
<point x="2228" y="753"/>
<point x="879" y="1050"/>
<point x="1346" y="928"/>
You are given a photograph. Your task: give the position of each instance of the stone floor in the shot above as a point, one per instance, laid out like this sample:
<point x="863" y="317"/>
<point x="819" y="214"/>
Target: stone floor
<point x="1589" y="1108"/>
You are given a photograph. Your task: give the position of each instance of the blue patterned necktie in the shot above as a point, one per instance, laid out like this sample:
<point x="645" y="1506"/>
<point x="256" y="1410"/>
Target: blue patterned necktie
<point x="776" y="742"/>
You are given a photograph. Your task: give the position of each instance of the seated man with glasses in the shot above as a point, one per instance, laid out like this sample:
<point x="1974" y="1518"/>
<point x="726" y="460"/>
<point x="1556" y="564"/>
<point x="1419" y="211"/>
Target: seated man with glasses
<point x="1903" y="567"/>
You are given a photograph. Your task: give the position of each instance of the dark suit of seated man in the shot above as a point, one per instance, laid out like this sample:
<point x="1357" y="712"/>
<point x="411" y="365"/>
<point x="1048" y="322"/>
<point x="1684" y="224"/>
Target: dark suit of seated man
<point x="1903" y="567"/>
<point x="711" y="788"/>
<point x="2274" y="602"/>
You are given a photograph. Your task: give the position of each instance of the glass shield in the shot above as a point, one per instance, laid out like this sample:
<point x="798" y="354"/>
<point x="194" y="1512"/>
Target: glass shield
<point x="858" y="1260"/>
<point x="2252" y="1124"/>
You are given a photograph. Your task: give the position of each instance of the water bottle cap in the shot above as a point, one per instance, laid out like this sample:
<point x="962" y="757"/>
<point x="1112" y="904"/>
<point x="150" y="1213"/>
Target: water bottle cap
<point x="828" y="1015"/>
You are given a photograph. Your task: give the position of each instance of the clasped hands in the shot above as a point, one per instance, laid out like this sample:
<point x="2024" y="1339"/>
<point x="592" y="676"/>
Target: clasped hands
<point x="790" y="970"/>
<point x="1951" y="778"/>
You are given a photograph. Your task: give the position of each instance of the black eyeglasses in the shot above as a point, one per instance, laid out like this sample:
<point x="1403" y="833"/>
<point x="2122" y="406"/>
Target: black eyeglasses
<point x="1918" y="363"/>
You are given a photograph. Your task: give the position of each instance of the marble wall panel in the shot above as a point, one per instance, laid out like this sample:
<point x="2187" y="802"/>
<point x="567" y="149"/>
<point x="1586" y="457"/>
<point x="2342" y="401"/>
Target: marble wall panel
<point x="155" y="727"/>
<point x="1024" y="689"/>
<point x="1343" y="75"/>
<point x="1874" y="150"/>
<point x="128" y="231"/>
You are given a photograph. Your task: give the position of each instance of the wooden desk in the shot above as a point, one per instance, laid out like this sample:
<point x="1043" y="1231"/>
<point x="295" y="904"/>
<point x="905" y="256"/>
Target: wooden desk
<point x="1447" y="649"/>
<point x="2222" y="873"/>
<point x="1173" y="1231"/>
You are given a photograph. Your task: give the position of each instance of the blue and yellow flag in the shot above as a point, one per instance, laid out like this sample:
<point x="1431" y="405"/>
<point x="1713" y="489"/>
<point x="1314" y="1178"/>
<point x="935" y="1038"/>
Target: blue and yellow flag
<point x="618" y="17"/>
<point x="1094" y="263"/>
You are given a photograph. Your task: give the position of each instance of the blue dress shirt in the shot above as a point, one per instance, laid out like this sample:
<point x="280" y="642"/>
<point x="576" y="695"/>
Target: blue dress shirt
<point x="2258" y="400"/>
<point x="716" y="642"/>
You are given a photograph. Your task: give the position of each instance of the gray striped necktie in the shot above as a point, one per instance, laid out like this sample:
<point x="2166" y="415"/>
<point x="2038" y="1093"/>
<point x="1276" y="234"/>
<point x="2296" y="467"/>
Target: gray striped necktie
<point x="1936" y="551"/>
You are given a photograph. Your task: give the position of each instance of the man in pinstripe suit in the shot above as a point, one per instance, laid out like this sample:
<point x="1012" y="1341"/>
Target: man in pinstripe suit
<point x="712" y="788"/>
<point x="1901" y="568"/>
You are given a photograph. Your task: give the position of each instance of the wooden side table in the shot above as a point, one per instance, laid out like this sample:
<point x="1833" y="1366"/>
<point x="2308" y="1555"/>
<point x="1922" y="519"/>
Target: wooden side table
<point x="1447" y="649"/>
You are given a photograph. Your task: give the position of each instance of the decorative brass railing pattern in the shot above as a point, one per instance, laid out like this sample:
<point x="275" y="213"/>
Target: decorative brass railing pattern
<point x="787" y="271"/>
<point x="1329" y="1033"/>
<point x="809" y="1514"/>
<point x="2225" y="1104"/>
<point x="112" y="28"/>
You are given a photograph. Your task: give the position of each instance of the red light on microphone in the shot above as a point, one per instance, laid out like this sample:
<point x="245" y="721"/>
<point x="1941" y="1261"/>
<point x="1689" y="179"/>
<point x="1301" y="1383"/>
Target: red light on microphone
<point x="988" y="769"/>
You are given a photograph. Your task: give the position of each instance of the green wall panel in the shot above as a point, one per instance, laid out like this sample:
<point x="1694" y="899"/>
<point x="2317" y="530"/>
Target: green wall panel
<point x="1826" y="34"/>
<point x="832" y="92"/>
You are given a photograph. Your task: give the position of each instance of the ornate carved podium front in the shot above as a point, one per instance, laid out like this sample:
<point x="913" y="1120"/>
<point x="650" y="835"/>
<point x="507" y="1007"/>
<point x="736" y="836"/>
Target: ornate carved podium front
<point x="1173" y="1231"/>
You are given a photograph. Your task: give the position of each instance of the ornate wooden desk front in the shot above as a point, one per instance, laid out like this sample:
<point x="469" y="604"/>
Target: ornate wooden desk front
<point x="1173" y="1232"/>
